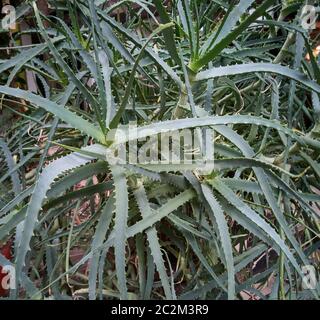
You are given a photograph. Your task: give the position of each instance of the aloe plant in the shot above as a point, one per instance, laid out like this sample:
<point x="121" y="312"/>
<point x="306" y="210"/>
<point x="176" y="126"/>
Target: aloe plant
<point x="165" y="230"/>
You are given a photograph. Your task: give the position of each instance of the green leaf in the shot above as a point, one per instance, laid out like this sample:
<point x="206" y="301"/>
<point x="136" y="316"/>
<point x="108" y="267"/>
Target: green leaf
<point x="227" y="24"/>
<point x="211" y="54"/>
<point x="167" y="33"/>
<point x="120" y="228"/>
<point x="153" y="240"/>
<point x="99" y="236"/>
<point x="58" y="110"/>
<point x="179" y="124"/>
<point x="223" y="232"/>
<point x="255" y="218"/>
<point x="115" y="121"/>
<point x="258" y="67"/>
<point x="87" y="94"/>
<point x="43" y="184"/>
<point x="11" y="167"/>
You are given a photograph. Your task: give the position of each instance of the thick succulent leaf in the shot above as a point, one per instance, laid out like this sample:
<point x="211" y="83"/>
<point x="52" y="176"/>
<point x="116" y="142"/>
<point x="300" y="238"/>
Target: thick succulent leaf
<point x="98" y="239"/>
<point x="258" y="67"/>
<point x="227" y="24"/>
<point x="224" y="235"/>
<point x="52" y="107"/>
<point x="46" y="178"/>
<point x="120" y="228"/>
<point x="179" y="124"/>
<point x="153" y="240"/>
<point x="140" y="226"/>
<point x="231" y="36"/>
<point x="265" y="186"/>
<point x="16" y="184"/>
<point x="253" y="216"/>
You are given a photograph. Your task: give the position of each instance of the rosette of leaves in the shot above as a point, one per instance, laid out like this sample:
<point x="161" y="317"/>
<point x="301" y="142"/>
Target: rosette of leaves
<point x="243" y="230"/>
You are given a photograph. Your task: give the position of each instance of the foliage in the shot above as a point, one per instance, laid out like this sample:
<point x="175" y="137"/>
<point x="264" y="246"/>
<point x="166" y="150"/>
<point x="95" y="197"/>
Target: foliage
<point x="243" y="230"/>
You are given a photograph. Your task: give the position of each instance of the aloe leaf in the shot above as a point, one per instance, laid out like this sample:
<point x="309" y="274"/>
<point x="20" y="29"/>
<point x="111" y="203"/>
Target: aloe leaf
<point x="187" y="23"/>
<point x="263" y="181"/>
<point x="179" y="124"/>
<point x="224" y="236"/>
<point x="11" y="165"/>
<point x="155" y="57"/>
<point x="153" y="240"/>
<point x="120" y="229"/>
<point x="52" y="107"/>
<point x="196" y="249"/>
<point x="258" y="67"/>
<point x="139" y="227"/>
<point x="46" y="178"/>
<point x="67" y="69"/>
<point x="115" y="121"/>
<point x="228" y="24"/>
<point x="18" y="61"/>
<point x="167" y="33"/>
<point x="99" y="236"/>
<point x="248" y="212"/>
<point x="212" y="53"/>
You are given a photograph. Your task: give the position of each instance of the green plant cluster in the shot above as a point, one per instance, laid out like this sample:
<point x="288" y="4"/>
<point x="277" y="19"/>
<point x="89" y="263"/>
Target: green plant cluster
<point x="244" y="230"/>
